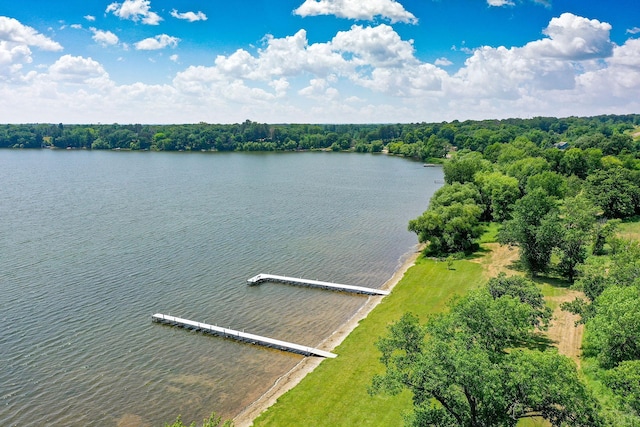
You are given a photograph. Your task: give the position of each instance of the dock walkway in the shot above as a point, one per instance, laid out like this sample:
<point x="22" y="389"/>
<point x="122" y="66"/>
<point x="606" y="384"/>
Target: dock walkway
<point x="315" y="283"/>
<point x="241" y="336"/>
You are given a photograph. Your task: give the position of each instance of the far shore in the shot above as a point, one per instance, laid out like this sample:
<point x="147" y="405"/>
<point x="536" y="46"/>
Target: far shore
<point x="289" y="380"/>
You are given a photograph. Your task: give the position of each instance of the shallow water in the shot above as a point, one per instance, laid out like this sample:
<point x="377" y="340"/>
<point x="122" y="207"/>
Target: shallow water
<point x="93" y="243"/>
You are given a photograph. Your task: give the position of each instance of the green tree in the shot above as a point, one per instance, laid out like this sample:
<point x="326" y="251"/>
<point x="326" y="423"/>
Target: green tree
<point x="577" y="220"/>
<point x="524" y="290"/>
<point x="616" y="191"/>
<point x="455" y="193"/>
<point x="524" y="168"/>
<point x="553" y="183"/>
<point x="463" y="166"/>
<point x="603" y="231"/>
<point x="534" y="228"/>
<point x="448" y="229"/>
<point x="460" y="374"/>
<point x="624" y="380"/>
<point x="575" y="162"/>
<point x="499" y="193"/>
<point x="614" y="331"/>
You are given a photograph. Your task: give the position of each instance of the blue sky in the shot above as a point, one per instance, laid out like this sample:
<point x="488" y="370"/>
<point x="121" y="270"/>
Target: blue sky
<point x="316" y="61"/>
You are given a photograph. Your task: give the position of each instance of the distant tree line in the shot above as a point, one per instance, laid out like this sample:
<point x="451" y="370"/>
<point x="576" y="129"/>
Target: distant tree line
<point x="422" y="141"/>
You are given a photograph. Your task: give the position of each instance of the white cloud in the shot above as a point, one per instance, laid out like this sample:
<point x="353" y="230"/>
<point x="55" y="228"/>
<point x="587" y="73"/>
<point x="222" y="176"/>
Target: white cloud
<point x="574" y="38"/>
<point x="499" y="3"/>
<point x="76" y="26"/>
<point x="189" y="16"/>
<point x="443" y="62"/>
<point x="357" y="9"/>
<point x="105" y="38"/>
<point x="634" y="30"/>
<point x="364" y="74"/>
<point x="90" y="18"/>
<point x="135" y="10"/>
<point x="13" y="32"/>
<point x="77" y="69"/>
<point x="158" y="42"/>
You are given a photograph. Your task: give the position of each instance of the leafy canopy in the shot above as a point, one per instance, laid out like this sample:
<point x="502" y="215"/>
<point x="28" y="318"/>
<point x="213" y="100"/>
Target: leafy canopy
<point x="470" y="367"/>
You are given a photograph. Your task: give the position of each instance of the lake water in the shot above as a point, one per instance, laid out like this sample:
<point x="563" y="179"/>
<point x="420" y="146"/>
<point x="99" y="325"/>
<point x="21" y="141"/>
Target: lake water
<point x="93" y="243"/>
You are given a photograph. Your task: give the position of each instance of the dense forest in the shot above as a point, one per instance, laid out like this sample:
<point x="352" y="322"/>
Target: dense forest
<point x="558" y="196"/>
<point x="423" y="141"/>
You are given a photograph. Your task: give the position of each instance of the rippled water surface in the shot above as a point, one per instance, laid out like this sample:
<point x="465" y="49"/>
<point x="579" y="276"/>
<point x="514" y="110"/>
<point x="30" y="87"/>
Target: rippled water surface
<point x="93" y="243"/>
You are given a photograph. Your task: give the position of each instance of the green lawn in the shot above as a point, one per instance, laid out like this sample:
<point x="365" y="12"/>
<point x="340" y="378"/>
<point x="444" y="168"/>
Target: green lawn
<point x="335" y="393"/>
<point x="630" y="229"/>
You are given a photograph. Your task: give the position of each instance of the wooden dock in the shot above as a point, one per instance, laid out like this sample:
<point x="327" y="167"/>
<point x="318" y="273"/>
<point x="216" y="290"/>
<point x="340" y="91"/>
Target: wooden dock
<point x="315" y="283"/>
<point x="241" y="336"/>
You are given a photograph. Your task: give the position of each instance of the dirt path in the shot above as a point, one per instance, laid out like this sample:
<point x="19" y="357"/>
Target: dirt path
<point x="562" y="330"/>
<point x="498" y="259"/>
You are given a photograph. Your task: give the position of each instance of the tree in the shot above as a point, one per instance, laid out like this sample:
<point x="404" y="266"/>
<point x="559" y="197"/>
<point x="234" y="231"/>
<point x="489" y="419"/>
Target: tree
<point x="575" y="162"/>
<point x="524" y="168"/>
<point x="534" y="228"/>
<point x="455" y="193"/>
<point x="553" y="183"/>
<point x="525" y="291"/>
<point x="616" y="191"/>
<point x="460" y="374"/>
<point x="463" y="166"/>
<point x="448" y="229"/>
<point x="577" y="220"/>
<point x="624" y="379"/>
<point x="603" y="231"/>
<point x="499" y="193"/>
<point x="614" y="330"/>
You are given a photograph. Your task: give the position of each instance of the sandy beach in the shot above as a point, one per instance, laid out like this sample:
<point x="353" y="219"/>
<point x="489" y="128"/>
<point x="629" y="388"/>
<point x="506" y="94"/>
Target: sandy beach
<point x="289" y="380"/>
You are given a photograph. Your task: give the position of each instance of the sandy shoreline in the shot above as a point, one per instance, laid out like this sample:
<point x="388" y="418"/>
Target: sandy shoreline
<point x="289" y="380"/>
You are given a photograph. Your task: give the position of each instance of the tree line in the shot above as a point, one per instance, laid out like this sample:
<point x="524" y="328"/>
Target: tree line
<point x="422" y="141"/>
<point x="560" y="205"/>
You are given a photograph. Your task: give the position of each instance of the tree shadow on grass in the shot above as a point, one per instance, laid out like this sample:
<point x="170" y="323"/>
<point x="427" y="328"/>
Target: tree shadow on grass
<point x="553" y="281"/>
<point x="539" y="341"/>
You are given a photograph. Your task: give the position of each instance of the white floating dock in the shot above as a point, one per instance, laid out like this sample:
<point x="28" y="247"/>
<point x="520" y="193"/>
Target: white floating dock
<point x="315" y="283"/>
<point x="241" y="336"/>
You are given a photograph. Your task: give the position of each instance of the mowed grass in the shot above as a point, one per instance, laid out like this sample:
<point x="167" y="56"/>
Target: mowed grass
<point x="630" y="229"/>
<point x="335" y="393"/>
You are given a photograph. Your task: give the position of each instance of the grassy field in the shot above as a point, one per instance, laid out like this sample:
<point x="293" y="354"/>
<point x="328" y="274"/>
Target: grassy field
<point x="335" y="393"/>
<point x="630" y="229"/>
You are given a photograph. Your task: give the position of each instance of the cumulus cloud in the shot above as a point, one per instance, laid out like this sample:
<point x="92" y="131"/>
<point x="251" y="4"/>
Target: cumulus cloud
<point x="634" y="30"/>
<point x="158" y="42"/>
<point x="189" y="16"/>
<point x="104" y="38"/>
<point x="357" y="9"/>
<point x="174" y="58"/>
<point x="364" y="74"/>
<point x="135" y="10"/>
<point x="90" y="18"/>
<point x="13" y="32"/>
<point x="574" y="38"/>
<point x="77" y="69"/>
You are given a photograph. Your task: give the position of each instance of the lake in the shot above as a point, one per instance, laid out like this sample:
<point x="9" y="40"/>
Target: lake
<point x="93" y="243"/>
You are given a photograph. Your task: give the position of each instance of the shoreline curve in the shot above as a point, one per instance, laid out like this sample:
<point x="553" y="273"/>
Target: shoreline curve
<point x="293" y="377"/>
